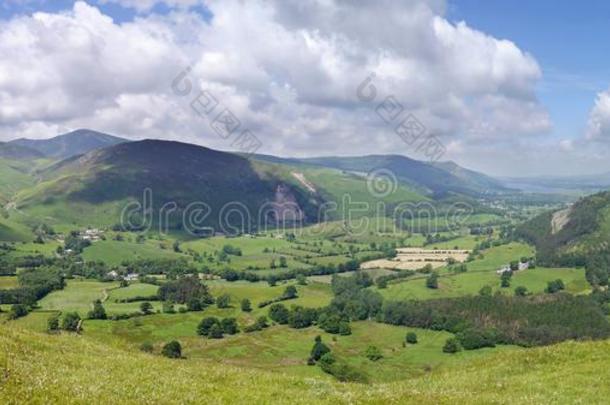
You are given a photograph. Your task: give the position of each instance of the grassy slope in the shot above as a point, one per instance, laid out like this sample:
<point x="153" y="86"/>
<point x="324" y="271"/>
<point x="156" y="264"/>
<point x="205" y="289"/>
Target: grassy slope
<point x="37" y="368"/>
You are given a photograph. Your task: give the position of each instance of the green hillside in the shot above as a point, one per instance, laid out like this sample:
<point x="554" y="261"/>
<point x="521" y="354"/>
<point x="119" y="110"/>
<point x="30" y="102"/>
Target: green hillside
<point x="38" y="368"/>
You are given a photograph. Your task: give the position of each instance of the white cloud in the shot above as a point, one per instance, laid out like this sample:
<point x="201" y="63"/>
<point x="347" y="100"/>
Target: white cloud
<point x="598" y="128"/>
<point x="287" y="69"/>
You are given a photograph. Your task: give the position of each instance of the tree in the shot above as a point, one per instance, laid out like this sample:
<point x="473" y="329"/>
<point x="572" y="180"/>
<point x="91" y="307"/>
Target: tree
<point x="319" y="349"/>
<point x="279" y="313"/>
<point x="452" y="345"/>
<point x="194" y="304"/>
<point x="53" y="324"/>
<point x="290" y="292"/>
<point x="432" y="281"/>
<point x="505" y="279"/>
<point x="176" y="247"/>
<point x="229" y="326"/>
<point x="146" y="308"/>
<point x="555" y="286"/>
<point x="71" y="322"/>
<point x="301" y="279"/>
<point x="485" y="291"/>
<point x="18" y="311"/>
<point x="520" y="291"/>
<point x="172" y="350"/>
<point x="223" y="301"/>
<point x="206" y="324"/>
<point x="98" y="311"/>
<point x="411" y="338"/>
<point x="283" y="262"/>
<point x="216" y="332"/>
<point x="246" y="305"/>
<point x="373" y="353"/>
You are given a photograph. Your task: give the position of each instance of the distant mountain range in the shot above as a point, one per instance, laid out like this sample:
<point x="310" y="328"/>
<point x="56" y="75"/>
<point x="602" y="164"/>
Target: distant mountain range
<point x="87" y="177"/>
<point x="68" y="145"/>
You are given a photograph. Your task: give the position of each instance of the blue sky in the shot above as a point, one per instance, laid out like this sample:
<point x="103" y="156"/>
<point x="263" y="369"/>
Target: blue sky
<point x="570" y="40"/>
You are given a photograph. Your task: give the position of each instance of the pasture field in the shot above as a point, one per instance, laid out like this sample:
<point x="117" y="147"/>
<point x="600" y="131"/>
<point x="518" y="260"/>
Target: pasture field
<point x="8" y="282"/>
<point x="78" y="295"/>
<point x="114" y="252"/>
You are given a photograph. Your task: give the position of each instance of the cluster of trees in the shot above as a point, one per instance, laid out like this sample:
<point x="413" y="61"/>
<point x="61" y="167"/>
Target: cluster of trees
<point x="34" y="284"/>
<point x="499" y="319"/>
<point x="321" y="355"/>
<point x="214" y="328"/>
<point x="71" y="322"/>
<point x="186" y="290"/>
<point x="382" y="281"/>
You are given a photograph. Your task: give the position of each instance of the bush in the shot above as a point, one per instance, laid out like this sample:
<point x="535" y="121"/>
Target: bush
<point x="168" y="308"/>
<point x="411" y="338"/>
<point x="471" y="339"/>
<point x="216" y="332"/>
<point x="260" y="324"/>
<point x="146" y="308"/>
<point x="520" y="291"/>
<point x="279" y="314"/>
<point x="229" y="326"/>
<point x="319" y="349"/>
<point x="452" y="345"/>
<point x="373" y="353"/>
<point x="53" y="324"/>
<point x="432" y="281"/>
<point x="206" y="324"/>
<point x="98" y="311"/>
<point x="18" y="311"/>
<point x="554" y="286"/>
<point x="246" y="305"/>
<point x="223" y="301"/>
<point x="71" y="322"/>
<point x="172" y="350"/>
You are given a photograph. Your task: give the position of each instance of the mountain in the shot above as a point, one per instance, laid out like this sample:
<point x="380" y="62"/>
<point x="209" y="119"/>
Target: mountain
<point x="433" y="178"/>
<point x="13" y="151"/>
<point x="572" y="235"/>
<point x="96" y="186"/>
<point x="70" y="144"/>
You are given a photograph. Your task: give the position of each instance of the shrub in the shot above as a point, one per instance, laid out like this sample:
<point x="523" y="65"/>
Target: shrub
<point x="53" y="324"/>
<point x="554" y="286"/>
<point x="216" y="332"/>
<point x="373" y="353"/>
<point x="172" y="350"/>
<point x="205" y="326"/>
<point x="432" y="281"/>
<point x="319" y="349"/>
<point x="223" y="301"/>
<point x="452" y="345"/>
<point x="71" y="322"/>
<point x="279" y="313"/>
<point x="98" y="311"/>
<point x="229" y="326"/>
<point x="146" y="308"/>
<point x="520" y="291"/>
<point x="246" y="305"/>
<point x="168" y="307"/>
<point x="411" y="338"/>
<point x="18" y="311"/>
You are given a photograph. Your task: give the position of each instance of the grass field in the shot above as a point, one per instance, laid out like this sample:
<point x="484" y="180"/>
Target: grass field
<point x="39" y="369"/>
<point x="8" y="282"/>
<point x="78" y="296"/>
<point x="115" y="252"/>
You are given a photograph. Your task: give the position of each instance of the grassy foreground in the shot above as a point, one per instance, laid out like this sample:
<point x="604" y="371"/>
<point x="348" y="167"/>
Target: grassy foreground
<point x="39" y="368"/>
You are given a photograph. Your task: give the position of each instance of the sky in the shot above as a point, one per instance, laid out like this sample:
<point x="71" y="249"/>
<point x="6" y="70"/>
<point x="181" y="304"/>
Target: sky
<point x="509" y="88"/>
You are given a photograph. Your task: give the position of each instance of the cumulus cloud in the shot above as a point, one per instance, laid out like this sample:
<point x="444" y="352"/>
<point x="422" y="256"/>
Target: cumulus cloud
<point x="598" y="128"/>
<point x="289" y="71"/>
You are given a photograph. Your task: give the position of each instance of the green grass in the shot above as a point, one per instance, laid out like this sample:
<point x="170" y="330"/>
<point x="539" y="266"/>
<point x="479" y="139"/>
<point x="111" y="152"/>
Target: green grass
<point x="482" y="272"/>
<point x="114" y="252"/>
<point x="78" y="296"/>
<point x="8" y="282"/>
<point x="41" y="369"/>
